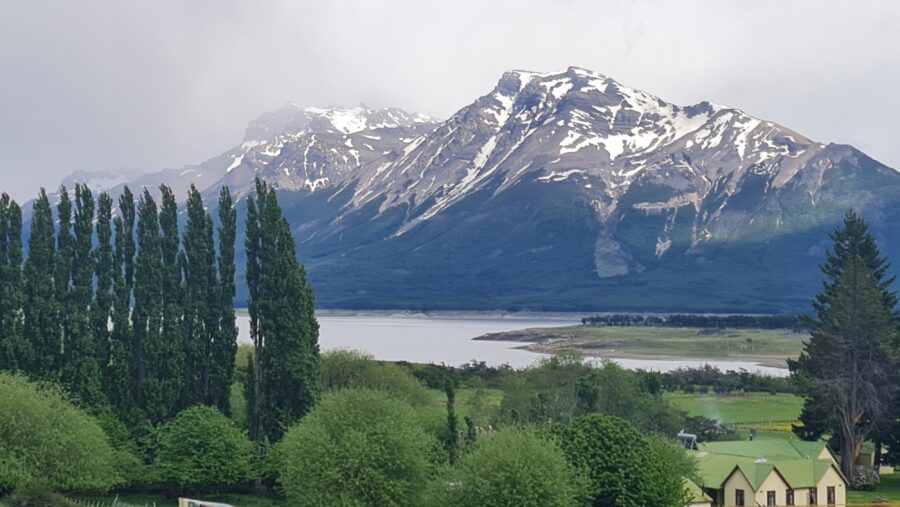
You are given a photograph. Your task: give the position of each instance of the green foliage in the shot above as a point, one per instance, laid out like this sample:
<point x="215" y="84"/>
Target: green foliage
<point x="120" y="367"/>
<point x="147" y="314"/>
<point x="101" y="307"/>
<point x="16" y="353"/>
<point x="563" y="387"/>
<point x="351" y="369"/>
<point x="283" y="326"/>
<point x="168" y="366"/>
<point x="46" y="442"/>
<point x="357" y="447"/>
<point x="225" y="344"/>
<point x="36" y="497"/>
<point x="510" y="468"/>
<point x="201" y="448"/>
<point x="41" y="306"/>
<point x="619" y="463"/>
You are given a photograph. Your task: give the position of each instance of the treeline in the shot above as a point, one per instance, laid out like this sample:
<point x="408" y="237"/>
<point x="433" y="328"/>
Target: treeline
<point x="794" y="322"/>
<point x="134" y="316"/>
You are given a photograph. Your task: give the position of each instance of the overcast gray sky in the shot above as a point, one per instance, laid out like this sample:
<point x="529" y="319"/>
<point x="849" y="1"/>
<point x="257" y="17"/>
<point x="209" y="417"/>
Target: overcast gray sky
<point x="150" y="85"/>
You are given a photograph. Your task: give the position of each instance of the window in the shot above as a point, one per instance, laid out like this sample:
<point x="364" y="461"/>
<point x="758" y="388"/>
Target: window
<point x="739" y="497"/>
<point x="789" y="497"/>
<point x="831" y="496"/>
<point x="770" y="499"/>
<point x="814" y="496"/>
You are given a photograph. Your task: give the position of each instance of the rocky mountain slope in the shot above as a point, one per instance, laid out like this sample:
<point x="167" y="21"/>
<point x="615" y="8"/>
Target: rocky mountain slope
<point x="564" y="191"/>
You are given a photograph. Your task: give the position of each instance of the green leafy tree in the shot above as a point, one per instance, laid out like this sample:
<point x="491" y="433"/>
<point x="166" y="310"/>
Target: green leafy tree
<point x="201" y="449"/>
<point x="357" y="447"/>
<point x="616" y="459"/>
<point x="283" y="325"/>
<point x="120" y="370"/>
<point x="147" y="313"/>
<point x="224" y="346"/>
<point x="104" y="274"/>
<point x="451" y="443"/>
<point x="848" y="360"/>
<point x="16" y="353"/>
<point x="513" y="468"/>
<point x="41" y="308"/>
<point x="47" y="442"/>
<point x="200" y="326"/>
<point x="352" y="369"/>
<point x="81" y="371"/>
<point x="170" y="366"/>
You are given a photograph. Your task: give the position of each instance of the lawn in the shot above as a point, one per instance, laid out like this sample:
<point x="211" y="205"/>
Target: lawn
<point x="763" y="344"/>
<point x="768" y="412"/>
<point x="887" y="491"/>
<point x="146" y="500"/>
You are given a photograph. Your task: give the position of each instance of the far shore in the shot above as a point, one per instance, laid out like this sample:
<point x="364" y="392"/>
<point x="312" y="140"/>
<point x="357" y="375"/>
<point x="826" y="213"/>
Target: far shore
<point x="449" y="314"/>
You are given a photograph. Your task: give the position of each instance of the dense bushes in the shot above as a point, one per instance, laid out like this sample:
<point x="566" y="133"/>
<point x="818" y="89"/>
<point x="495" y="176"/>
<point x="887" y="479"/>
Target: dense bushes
<point x="201" y="448"/>
<point x="514" y="468"/>
<point x="46" y="442"/>
<point x="622" y="467"/>
<point x="351" y="369"/>
<point x="357" y="447"/>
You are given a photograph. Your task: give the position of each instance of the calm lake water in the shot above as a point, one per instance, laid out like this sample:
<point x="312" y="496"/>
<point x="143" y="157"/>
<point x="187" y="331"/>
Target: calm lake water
<point x="448" y="340"/>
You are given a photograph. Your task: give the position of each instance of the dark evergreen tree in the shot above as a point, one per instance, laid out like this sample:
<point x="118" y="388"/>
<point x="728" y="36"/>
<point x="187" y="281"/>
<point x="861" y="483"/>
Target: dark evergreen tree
<point x="16" y="353"/>
<point x="253" y="389"/>
<point x="847" y="362"/>
<point x="199" y="276"/>
<point x="41" y="307"/>
<point x="170" y="366"/>
<point x="225" y="345"/>
<point x="147" y="314"/>
<point x="103" y="294"/>
<point x="850" y="241"/>
<point x="283" y="324"/>
<point x="81" y="371"/>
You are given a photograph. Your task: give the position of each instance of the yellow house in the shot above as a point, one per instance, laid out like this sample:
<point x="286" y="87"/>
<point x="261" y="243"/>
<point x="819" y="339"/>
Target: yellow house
<point x="770" y="473"/>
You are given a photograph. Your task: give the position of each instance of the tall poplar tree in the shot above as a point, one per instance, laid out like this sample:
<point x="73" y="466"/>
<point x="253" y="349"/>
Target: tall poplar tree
<point x="41" y="307"/>
<point x="225" y="346"/>
<point x="170" y="368"/>
<point x="199" y="277"/>
<point x="15" y="352"/>
<point x="147" y="316"/>
<point x="283" y="324"/>
<point x="103" y="294"/>
<point x="62" y="278"/>
<point x="120" y="368"/>
<point x="81" y="371"/>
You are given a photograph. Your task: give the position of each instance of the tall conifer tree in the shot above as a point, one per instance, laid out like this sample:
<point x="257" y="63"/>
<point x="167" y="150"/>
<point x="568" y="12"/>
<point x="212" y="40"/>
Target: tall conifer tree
<point x="15" y="352"/>
<point x="147" y="315"/>
<point x="62" y="278"/>
<point x="120" y="368"/>
<point x="199" y="285"/>
<point x="41" y="307"/>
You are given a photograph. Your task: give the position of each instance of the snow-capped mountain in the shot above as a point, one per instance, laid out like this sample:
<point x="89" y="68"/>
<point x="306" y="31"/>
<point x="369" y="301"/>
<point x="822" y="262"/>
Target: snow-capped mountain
<point x="565" y="191"/>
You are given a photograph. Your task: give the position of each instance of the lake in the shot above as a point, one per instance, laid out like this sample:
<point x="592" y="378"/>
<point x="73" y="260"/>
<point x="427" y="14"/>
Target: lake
<point x="448" y="340"/>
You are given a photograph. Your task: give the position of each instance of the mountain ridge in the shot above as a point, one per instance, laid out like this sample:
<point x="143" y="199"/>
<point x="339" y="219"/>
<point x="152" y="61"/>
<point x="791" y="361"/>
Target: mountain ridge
<point x="592" y="190"/>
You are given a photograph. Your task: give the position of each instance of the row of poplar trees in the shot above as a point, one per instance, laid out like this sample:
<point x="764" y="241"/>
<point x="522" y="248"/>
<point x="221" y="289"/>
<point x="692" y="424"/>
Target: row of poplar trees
<point x="132" y="315"/>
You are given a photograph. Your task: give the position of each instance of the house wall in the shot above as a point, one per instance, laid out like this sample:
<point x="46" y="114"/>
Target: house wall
<point x="832" y="478"/>
<point x="735" y="482"/>
<point x="773" y="482"/>
<point x="826" y="454"/>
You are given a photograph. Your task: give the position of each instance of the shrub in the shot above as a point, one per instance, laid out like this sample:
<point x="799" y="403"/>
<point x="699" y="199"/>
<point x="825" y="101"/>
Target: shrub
<point x="36" y="497"/>
<point x="45" y="442"/>
<point x="357" y="447"/>
<point x="623" y="469"/>
<point x="352" y="369"/>
<point x="510" y="468"/>
<point x="864" y="479"/>
<point x="201" y="448"/>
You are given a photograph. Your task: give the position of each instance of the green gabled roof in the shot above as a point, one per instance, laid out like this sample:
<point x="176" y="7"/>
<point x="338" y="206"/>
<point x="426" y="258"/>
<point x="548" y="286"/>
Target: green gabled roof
<point x="796" y="461"/>
<point x="775" y="449"/>
<point x="697" y="494"/>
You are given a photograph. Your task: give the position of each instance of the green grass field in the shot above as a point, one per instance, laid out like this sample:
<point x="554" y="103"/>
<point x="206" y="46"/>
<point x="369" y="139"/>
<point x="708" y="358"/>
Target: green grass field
<point x="887" y="493"/>
<point x="770" y="414"/>
<point x="764" y="344"/>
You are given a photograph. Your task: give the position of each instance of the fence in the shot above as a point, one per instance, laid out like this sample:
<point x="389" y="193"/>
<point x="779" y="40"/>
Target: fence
<point x="115" y="502"/>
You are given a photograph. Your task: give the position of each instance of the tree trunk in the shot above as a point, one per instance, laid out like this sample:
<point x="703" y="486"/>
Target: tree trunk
<point x="848" y="454"/>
